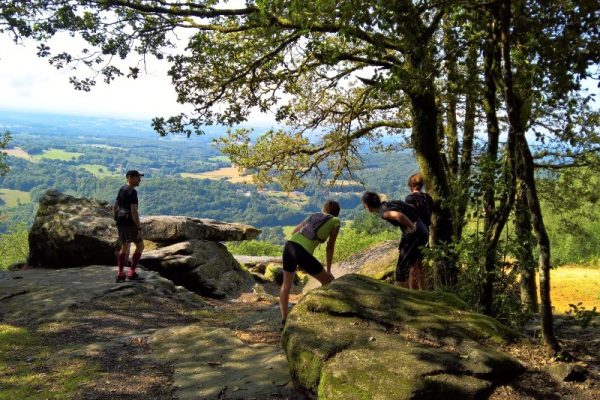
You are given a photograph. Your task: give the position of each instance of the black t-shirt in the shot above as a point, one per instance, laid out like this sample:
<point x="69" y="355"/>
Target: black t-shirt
<point x="126" y="197"/>
<point x="398" y="205"/>
<point x="424" y="205"/>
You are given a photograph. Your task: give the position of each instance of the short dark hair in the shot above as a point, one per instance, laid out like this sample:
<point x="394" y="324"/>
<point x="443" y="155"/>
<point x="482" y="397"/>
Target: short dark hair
<point x="371" y="199"/>
<point x="415" y="181"/>
<point x="332" y="207"/>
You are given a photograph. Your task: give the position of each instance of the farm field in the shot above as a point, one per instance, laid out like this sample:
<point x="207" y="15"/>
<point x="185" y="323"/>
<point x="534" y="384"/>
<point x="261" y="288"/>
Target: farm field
<point x="219" y="159"/>
<point x="574" y="284"/>
<point x="230" y="174"/>
<point x="97" y="170"/>
<point x="57" y="154"/>
<point x="12" y="198"/>
<point x="17" y="152"/>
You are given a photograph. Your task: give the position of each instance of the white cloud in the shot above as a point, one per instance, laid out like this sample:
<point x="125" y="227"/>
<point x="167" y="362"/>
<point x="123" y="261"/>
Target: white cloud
<point x="30" y="83"/>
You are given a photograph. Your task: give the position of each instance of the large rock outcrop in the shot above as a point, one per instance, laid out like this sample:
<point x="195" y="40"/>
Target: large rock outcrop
<point x="72" y="232"/>
<point x="174" y="229"/>
<point x="204" y="267"/>
<point x="385" y="342"/>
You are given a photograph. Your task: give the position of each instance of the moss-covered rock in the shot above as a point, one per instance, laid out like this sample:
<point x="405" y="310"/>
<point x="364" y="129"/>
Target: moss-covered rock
<point x="359" y="338"/>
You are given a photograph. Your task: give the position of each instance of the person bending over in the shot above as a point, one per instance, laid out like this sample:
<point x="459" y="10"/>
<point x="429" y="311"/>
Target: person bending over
<point x="414" y="232"/>
<point x="298" y="250"/>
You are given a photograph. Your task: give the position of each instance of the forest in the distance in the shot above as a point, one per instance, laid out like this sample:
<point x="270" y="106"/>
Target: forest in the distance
<point x="80" y="156"/>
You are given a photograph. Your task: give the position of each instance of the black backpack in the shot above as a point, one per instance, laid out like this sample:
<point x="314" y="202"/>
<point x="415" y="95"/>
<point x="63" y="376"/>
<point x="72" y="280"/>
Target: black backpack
<point x="398" y="205"/>
<point x="311" y="225"/>
<point x="422" y="202"/>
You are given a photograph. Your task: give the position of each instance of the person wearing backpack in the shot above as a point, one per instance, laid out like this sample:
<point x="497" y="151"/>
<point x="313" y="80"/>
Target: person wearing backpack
<point x="126" y="215"/>
<point x="424" y="205"/>
<point x="298" y="250"/>
<point x="422" y="201"/>
<point x="414" y="231"/>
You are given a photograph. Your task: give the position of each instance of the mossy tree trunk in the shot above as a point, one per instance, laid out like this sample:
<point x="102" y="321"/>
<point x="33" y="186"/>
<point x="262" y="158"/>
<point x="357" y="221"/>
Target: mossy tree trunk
<point x="524" y="250"/>
<point x="513" y="105"/>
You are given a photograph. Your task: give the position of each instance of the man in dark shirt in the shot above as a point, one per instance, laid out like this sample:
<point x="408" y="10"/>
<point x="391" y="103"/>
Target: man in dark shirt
<point x="414" y="232"/>
<point x="126" y="214"/>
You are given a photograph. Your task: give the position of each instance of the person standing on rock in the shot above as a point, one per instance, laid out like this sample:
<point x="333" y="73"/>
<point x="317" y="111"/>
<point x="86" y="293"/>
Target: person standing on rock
<point x="126" y="214"/>
<point x="298" y="250"/>
<point x="424" y="205"/>
<point x="414" y="232"/>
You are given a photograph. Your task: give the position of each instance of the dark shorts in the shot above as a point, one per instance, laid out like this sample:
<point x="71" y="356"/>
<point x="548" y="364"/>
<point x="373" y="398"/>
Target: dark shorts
<point x="294" y="256"/>
<point x="410" y="251"/>
<point x="129" y="233"/>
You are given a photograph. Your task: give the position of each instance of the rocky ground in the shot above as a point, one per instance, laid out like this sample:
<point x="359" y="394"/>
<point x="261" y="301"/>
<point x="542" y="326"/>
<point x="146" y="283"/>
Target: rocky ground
<point x="155" y="341"/>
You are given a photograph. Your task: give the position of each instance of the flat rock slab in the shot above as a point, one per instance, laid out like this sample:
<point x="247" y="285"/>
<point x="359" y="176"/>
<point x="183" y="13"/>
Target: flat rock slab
<point x="212" y="363"/>
<point x="173" y="229"/>
<point x="43" y="294"/>
<point x="254" y="260"/>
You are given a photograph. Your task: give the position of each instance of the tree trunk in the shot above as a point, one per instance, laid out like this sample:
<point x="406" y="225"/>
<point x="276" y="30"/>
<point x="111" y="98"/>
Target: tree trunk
<point x="524" y="250"/>
<point x="450" y="47"/>
<point x="491" y="58"/>
<point x="425" y="144"/>
<point x="528" y="177"/>
<point x="467" y="145"/>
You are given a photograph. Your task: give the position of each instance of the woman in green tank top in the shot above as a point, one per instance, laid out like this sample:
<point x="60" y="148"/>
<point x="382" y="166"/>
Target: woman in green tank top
<point x="298" y="250"/>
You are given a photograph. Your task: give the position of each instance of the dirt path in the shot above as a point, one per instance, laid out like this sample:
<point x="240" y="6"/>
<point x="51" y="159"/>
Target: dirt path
<point x="149" y="340"/>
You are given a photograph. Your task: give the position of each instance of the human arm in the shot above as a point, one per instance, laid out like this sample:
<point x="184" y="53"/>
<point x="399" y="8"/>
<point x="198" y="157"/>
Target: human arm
<point x="135" y="216"/>
<point x="298" y="227"/>
<point x="115" y="207"/>
<point x="401" y="218"/>
<point x="331" y="247"/>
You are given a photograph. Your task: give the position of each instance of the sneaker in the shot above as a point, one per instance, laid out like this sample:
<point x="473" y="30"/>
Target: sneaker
<point x="120" y="278"/>
<point x="135" y="277"/>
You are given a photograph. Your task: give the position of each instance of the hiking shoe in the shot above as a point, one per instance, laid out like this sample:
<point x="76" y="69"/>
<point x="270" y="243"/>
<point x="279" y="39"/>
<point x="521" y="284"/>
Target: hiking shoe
<point x="135" y="277"/>
<point x="120" y="278"/>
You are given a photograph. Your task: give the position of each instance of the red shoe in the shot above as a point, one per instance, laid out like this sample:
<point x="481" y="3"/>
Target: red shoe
<point x="135" y="277"/>
<point x="120" y="278"/>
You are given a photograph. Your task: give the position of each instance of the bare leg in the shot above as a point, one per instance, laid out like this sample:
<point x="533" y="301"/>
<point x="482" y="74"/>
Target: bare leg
<point x="324" y="277"/>
<point x="139" y="246"/>
<point x="284" y="293"/>
<point x="415" y="280"/>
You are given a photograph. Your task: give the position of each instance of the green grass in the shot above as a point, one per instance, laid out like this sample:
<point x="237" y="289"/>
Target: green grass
<point x="57" y="154"/>
<point x="287" y="231"/>
<point x="12" y="198"/>
<point x="97" y="170"/>
<point x="31" y="369"/>
<point x="219" y="159"/>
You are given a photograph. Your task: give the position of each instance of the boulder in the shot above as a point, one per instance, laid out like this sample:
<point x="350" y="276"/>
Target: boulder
<point x="257" y="263"/>
<point x="71" y="232"/>
<point x="566" y="372"/>
<point x="360" y="338"/>
<point x="201" y="266"/>
<point x="173" y="229"/>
